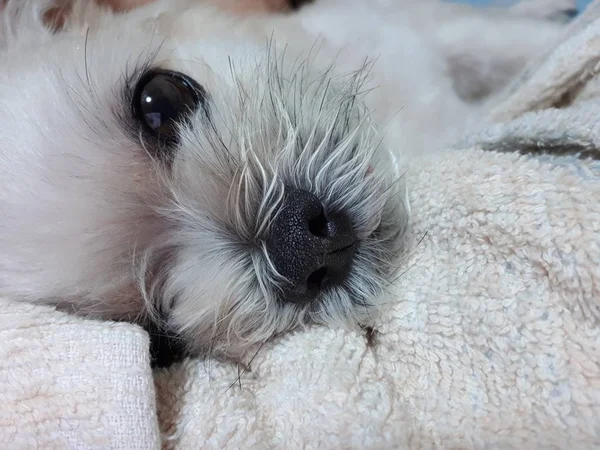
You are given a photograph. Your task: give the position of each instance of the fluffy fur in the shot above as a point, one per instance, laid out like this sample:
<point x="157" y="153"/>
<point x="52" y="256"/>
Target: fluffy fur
<point x="94" y="224"/>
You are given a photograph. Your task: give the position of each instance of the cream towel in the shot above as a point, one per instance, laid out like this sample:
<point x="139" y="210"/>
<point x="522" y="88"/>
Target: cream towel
<point x="492" y="336"/>
<point x="491" y="340"/>
<point x="66" y="383"/>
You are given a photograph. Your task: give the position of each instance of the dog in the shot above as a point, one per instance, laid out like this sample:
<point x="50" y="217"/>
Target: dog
<point x="217" y="179"/>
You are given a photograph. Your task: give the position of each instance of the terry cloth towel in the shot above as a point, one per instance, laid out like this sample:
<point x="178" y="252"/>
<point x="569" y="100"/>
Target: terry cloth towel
<point x="492" y="336"/>
<point x="68" y="383"/>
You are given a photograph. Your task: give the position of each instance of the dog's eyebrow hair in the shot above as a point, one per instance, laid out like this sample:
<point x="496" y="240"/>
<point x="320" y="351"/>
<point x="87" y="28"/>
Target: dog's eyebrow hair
<point x="133" y="72"/>
<point x="85" y="56"/>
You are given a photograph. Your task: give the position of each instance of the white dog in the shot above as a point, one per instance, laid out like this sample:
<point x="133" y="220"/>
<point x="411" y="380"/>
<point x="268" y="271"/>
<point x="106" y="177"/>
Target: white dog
<point x="217" y="178"/>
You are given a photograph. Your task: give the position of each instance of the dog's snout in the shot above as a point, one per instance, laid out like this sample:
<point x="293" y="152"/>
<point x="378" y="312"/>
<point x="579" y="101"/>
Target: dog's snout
<point x="311" y="248"/>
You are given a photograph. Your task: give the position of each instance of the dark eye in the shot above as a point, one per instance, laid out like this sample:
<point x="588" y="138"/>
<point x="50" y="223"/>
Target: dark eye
<point x="164" y="99"/>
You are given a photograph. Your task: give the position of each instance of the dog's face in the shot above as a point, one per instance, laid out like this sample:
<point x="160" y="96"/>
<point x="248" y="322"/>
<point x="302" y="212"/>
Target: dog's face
<point x="221" y="187"/>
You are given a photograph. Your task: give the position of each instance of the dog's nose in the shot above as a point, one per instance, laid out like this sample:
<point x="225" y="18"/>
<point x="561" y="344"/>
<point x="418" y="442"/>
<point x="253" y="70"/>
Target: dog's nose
<point x="311" y="248"/>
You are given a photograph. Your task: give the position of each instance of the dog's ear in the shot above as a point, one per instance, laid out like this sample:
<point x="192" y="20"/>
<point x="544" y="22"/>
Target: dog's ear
<point x="252" y="6"/>
<point x="276" y="5"/>
<point x="241" y="6"/>
<point x="57" y="16"/>
<point x="234" y="5"/>
<point x="123" y="5"/>
<point x="297" y="4"/>
<point x="55" y="12"/>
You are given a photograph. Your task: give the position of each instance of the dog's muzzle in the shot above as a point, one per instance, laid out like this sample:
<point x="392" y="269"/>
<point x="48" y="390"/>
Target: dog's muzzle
<point x="311" y="248"/>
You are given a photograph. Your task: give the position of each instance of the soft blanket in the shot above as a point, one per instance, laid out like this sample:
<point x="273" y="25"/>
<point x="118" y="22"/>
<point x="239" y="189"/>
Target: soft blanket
<point x="491" y="338"/>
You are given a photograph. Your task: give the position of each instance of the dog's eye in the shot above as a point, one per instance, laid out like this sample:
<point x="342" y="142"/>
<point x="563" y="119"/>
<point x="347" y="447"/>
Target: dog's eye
<point x="163" y="99"/>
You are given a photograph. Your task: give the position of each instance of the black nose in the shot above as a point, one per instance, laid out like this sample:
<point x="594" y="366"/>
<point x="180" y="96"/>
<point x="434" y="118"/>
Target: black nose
<point x="312" y="249"/>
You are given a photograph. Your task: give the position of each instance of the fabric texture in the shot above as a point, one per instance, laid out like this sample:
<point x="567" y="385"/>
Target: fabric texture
<point x="491" y="338"/>
<point x="68" y="383"/>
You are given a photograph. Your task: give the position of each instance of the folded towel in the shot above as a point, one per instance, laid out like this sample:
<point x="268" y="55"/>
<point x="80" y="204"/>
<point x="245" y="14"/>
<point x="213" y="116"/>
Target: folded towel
<point x="68" y="383"/>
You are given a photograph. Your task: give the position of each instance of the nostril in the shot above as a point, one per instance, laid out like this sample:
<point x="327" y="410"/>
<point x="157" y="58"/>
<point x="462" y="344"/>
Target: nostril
<point x="316" y="280"/>
<point x="318" y="224"/>
<point x="310" y="246"/>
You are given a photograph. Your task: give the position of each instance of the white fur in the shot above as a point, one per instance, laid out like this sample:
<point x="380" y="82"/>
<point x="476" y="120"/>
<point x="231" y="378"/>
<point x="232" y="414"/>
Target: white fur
<point x="92" y="223"/>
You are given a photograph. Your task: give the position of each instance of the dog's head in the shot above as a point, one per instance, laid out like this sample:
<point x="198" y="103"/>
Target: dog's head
<point x="247" y="188"/>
